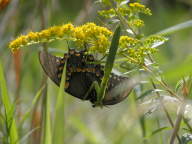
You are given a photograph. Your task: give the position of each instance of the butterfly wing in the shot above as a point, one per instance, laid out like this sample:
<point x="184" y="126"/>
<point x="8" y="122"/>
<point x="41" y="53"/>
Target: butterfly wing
<point x="50" y="65"/>
<point x="120" y="89"/>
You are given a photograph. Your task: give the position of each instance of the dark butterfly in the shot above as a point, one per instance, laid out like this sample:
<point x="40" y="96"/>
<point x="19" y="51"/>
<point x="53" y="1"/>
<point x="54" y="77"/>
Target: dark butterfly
<point x="81" y="72"/>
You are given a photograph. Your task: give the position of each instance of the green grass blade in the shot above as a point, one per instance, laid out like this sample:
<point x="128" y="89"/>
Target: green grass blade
<point x="109" y="62"/>
<point x="112" y="51"/>
<point x="176" y="28"/>
<point x="36" y="98"/>
<point x="47" y="137"/>
<point x="9" y="109"/>
<point x="58" y="135"/>
<point x="160" y="130"/>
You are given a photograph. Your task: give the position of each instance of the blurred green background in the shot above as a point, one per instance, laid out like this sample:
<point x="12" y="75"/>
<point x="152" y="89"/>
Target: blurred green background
<point x="118" y="124"/>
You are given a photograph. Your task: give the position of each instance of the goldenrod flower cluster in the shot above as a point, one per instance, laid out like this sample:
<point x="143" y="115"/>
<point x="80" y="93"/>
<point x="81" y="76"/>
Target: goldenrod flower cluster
<point x="126" y="41"/>
<point x="150" y="41"/>
<point x="129" y="12"/>
<point x="132" y="48"/>
<point x="137" y="22"/>
<point x="136" y="49"/>
<point x="139" y="8"/>
<point x="47" y="35"/>
<point x="95" y="37"/>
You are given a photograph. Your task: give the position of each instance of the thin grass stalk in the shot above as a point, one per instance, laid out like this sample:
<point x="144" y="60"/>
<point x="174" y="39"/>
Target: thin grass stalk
<point x="59" y="121"/>
<point x="37" y="115"/>
<point x="161" y="137"/>
<point x="178" y="122"/>
<point x="17" y="68"/>
<point x="141" y="118"/>
<point x="34" y="103"/>
<point x="165" y="110"/>
<point x="143" y="127"/>
<point x="47" y="137"/>
<point x="180" y="113"/>
<point x="44" y="135"/>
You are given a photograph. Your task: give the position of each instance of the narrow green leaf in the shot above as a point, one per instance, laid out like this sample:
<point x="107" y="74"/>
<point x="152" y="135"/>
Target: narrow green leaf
<point x="9" y="109"/>
<point x="157" y="131"/>
<point x="47" y="137"/>
<point x="112" y="51"/>
<point x="176" y="28"/>
<point x="59" y="133"/>
<point x="109" y="62"/>
<point x="143" y="125"/>
<point x="160" y="130"/>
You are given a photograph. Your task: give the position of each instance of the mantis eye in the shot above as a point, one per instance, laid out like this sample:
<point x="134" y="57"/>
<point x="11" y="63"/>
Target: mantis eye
<point x="80" y="74"/>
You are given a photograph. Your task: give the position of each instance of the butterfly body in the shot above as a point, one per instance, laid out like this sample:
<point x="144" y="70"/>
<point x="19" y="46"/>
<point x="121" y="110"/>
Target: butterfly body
<point x="81" y="72"/>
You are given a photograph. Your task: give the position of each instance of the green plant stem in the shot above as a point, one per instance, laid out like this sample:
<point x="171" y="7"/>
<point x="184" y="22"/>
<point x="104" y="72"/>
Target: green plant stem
<point x="44" y="80"/>
<point x="162" y="83"/>
<point x="164" y="109"/>
<point x="178" y="122"/>
<point x="122" y="19"/>
<point x="162" y="104"/>
<point x="125" y="23"/>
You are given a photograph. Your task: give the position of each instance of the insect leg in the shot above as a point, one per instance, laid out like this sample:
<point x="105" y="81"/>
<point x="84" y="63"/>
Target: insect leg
<point x="94" y="85"/>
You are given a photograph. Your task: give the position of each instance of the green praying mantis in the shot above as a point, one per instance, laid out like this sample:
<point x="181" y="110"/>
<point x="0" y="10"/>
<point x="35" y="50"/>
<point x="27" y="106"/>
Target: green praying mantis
<point x="101" y="88"/>
<point x="89" y="81"/>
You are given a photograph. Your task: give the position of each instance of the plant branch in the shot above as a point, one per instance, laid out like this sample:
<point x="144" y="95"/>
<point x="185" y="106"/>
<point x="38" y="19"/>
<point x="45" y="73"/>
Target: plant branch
<point x="162" y="83"/>
<point x="178" y="122"/>
<point x="164" y="109"/>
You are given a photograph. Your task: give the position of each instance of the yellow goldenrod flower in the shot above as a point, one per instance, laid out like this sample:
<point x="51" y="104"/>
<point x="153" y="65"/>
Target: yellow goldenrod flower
<point x="100" y="45"/>
<point x="21" y="41"/>
<point x="67" y="29"/>
<point x="137" y="7"/>
<point x="126" y="41"/>
<point x="45" y="34"/>
<point x="33" y="36"/>
<point x="88" y="34"/>
<point x="137" y="23"/>
<point x="136" y="49"/>
<point x="107" y="13"/>
<point x="80" y="36"/>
